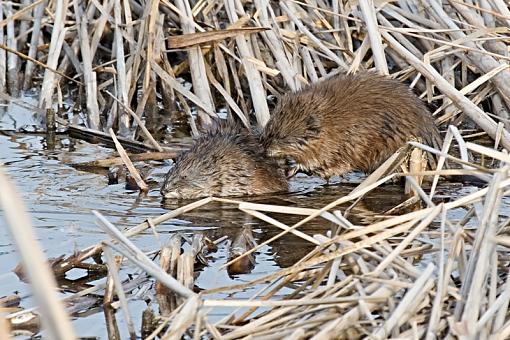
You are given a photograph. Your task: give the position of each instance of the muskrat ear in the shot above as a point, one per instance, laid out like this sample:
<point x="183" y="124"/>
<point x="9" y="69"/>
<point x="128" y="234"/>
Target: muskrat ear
<point x="220" y="126"/>
<point x="313" y="126"/>
<point x="204" y="126"/>
<point x="213" y="126"/>
<point x="216" y="125"/>
<point x="272" y="101"/>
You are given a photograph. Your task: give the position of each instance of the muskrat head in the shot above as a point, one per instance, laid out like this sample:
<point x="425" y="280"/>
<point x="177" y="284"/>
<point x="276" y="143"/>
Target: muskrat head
<point x="288" y="132"/>
<point x="220" y="163"/>
<point x="198" y="171"/>
<point x="227" y="161"/>
<point x="188" y="178"/>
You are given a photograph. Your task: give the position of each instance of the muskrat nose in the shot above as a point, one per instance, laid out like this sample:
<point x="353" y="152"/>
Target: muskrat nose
<point x="170" y="194"/>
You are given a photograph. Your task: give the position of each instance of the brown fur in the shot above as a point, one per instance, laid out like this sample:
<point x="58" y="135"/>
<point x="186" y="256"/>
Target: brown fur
<point x="227" y="162"/>
<point x="348" y="122"/>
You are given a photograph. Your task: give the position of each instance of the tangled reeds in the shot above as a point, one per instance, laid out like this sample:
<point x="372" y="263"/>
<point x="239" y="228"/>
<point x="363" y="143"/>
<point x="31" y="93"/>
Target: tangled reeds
<point x="120" y="55"/>
<point x="436" y="272"/>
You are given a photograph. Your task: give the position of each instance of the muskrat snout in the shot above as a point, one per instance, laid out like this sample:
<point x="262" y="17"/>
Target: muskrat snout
<point x="179" y="186"/>
<point x="172" y="184"/>
<point x="170" y="194"/>
<point x="180" y="192"/>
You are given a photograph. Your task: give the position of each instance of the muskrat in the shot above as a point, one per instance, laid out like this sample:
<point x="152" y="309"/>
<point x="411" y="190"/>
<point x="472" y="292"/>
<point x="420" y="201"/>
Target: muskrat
<point x="347" y="122"/>
<point x="227" y="161"/>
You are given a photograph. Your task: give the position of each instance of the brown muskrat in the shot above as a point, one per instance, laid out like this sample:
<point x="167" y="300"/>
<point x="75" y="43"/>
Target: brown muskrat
<point x="347" y="122"/>
<point x="227" y="161"/>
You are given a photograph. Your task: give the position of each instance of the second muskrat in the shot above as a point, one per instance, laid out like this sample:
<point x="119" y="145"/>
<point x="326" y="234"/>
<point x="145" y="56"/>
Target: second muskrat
<point x="227" y="161"/>
<point x="347" y="122"/>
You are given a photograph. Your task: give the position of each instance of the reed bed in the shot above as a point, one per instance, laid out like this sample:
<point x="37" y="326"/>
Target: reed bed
<point x="425" y="273"/>
<point x="126" y="58"/>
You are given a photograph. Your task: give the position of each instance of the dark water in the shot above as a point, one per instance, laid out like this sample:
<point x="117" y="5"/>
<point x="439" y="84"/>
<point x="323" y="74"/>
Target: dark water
<point x="60" y="199"/>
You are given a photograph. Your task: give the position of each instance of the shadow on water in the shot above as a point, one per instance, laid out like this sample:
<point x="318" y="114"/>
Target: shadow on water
<point x="60" y="199"/>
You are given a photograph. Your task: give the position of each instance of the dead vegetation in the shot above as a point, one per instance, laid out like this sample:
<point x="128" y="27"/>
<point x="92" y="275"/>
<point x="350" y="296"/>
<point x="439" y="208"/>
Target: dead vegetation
<point x="437" y="272"/>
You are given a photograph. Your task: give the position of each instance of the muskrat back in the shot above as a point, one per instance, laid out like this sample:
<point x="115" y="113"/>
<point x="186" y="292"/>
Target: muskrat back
<point x="228" y="161"/>
<point x="347" y="122"/>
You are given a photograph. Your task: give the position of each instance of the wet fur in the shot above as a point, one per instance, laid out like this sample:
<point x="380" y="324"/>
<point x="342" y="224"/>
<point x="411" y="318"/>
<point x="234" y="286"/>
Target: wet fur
<point x="228" y="161"/>
<point x="348" y="122"/>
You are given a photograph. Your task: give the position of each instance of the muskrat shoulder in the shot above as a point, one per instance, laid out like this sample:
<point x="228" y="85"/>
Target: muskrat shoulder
<point x="228" y="161"/>
<point x="347" y="122"/>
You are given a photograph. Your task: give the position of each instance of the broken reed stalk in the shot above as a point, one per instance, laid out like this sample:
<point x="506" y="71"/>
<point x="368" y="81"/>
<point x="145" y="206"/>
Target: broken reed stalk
<point x="367" y="8"/>
<point x="252" y="74"/>
<point x="114" y="274"/>
<point x="12" y="59"/>
<point x="132" y="170"/>
<point x="109" y="162"/>
<point x="89" y="76"/>
<point x="121" y="75"/>
<point x="34" y="38"/>
<point x="196" y="62"/>
<point x="139" y="122"/>
<point x="57" y="39"/>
